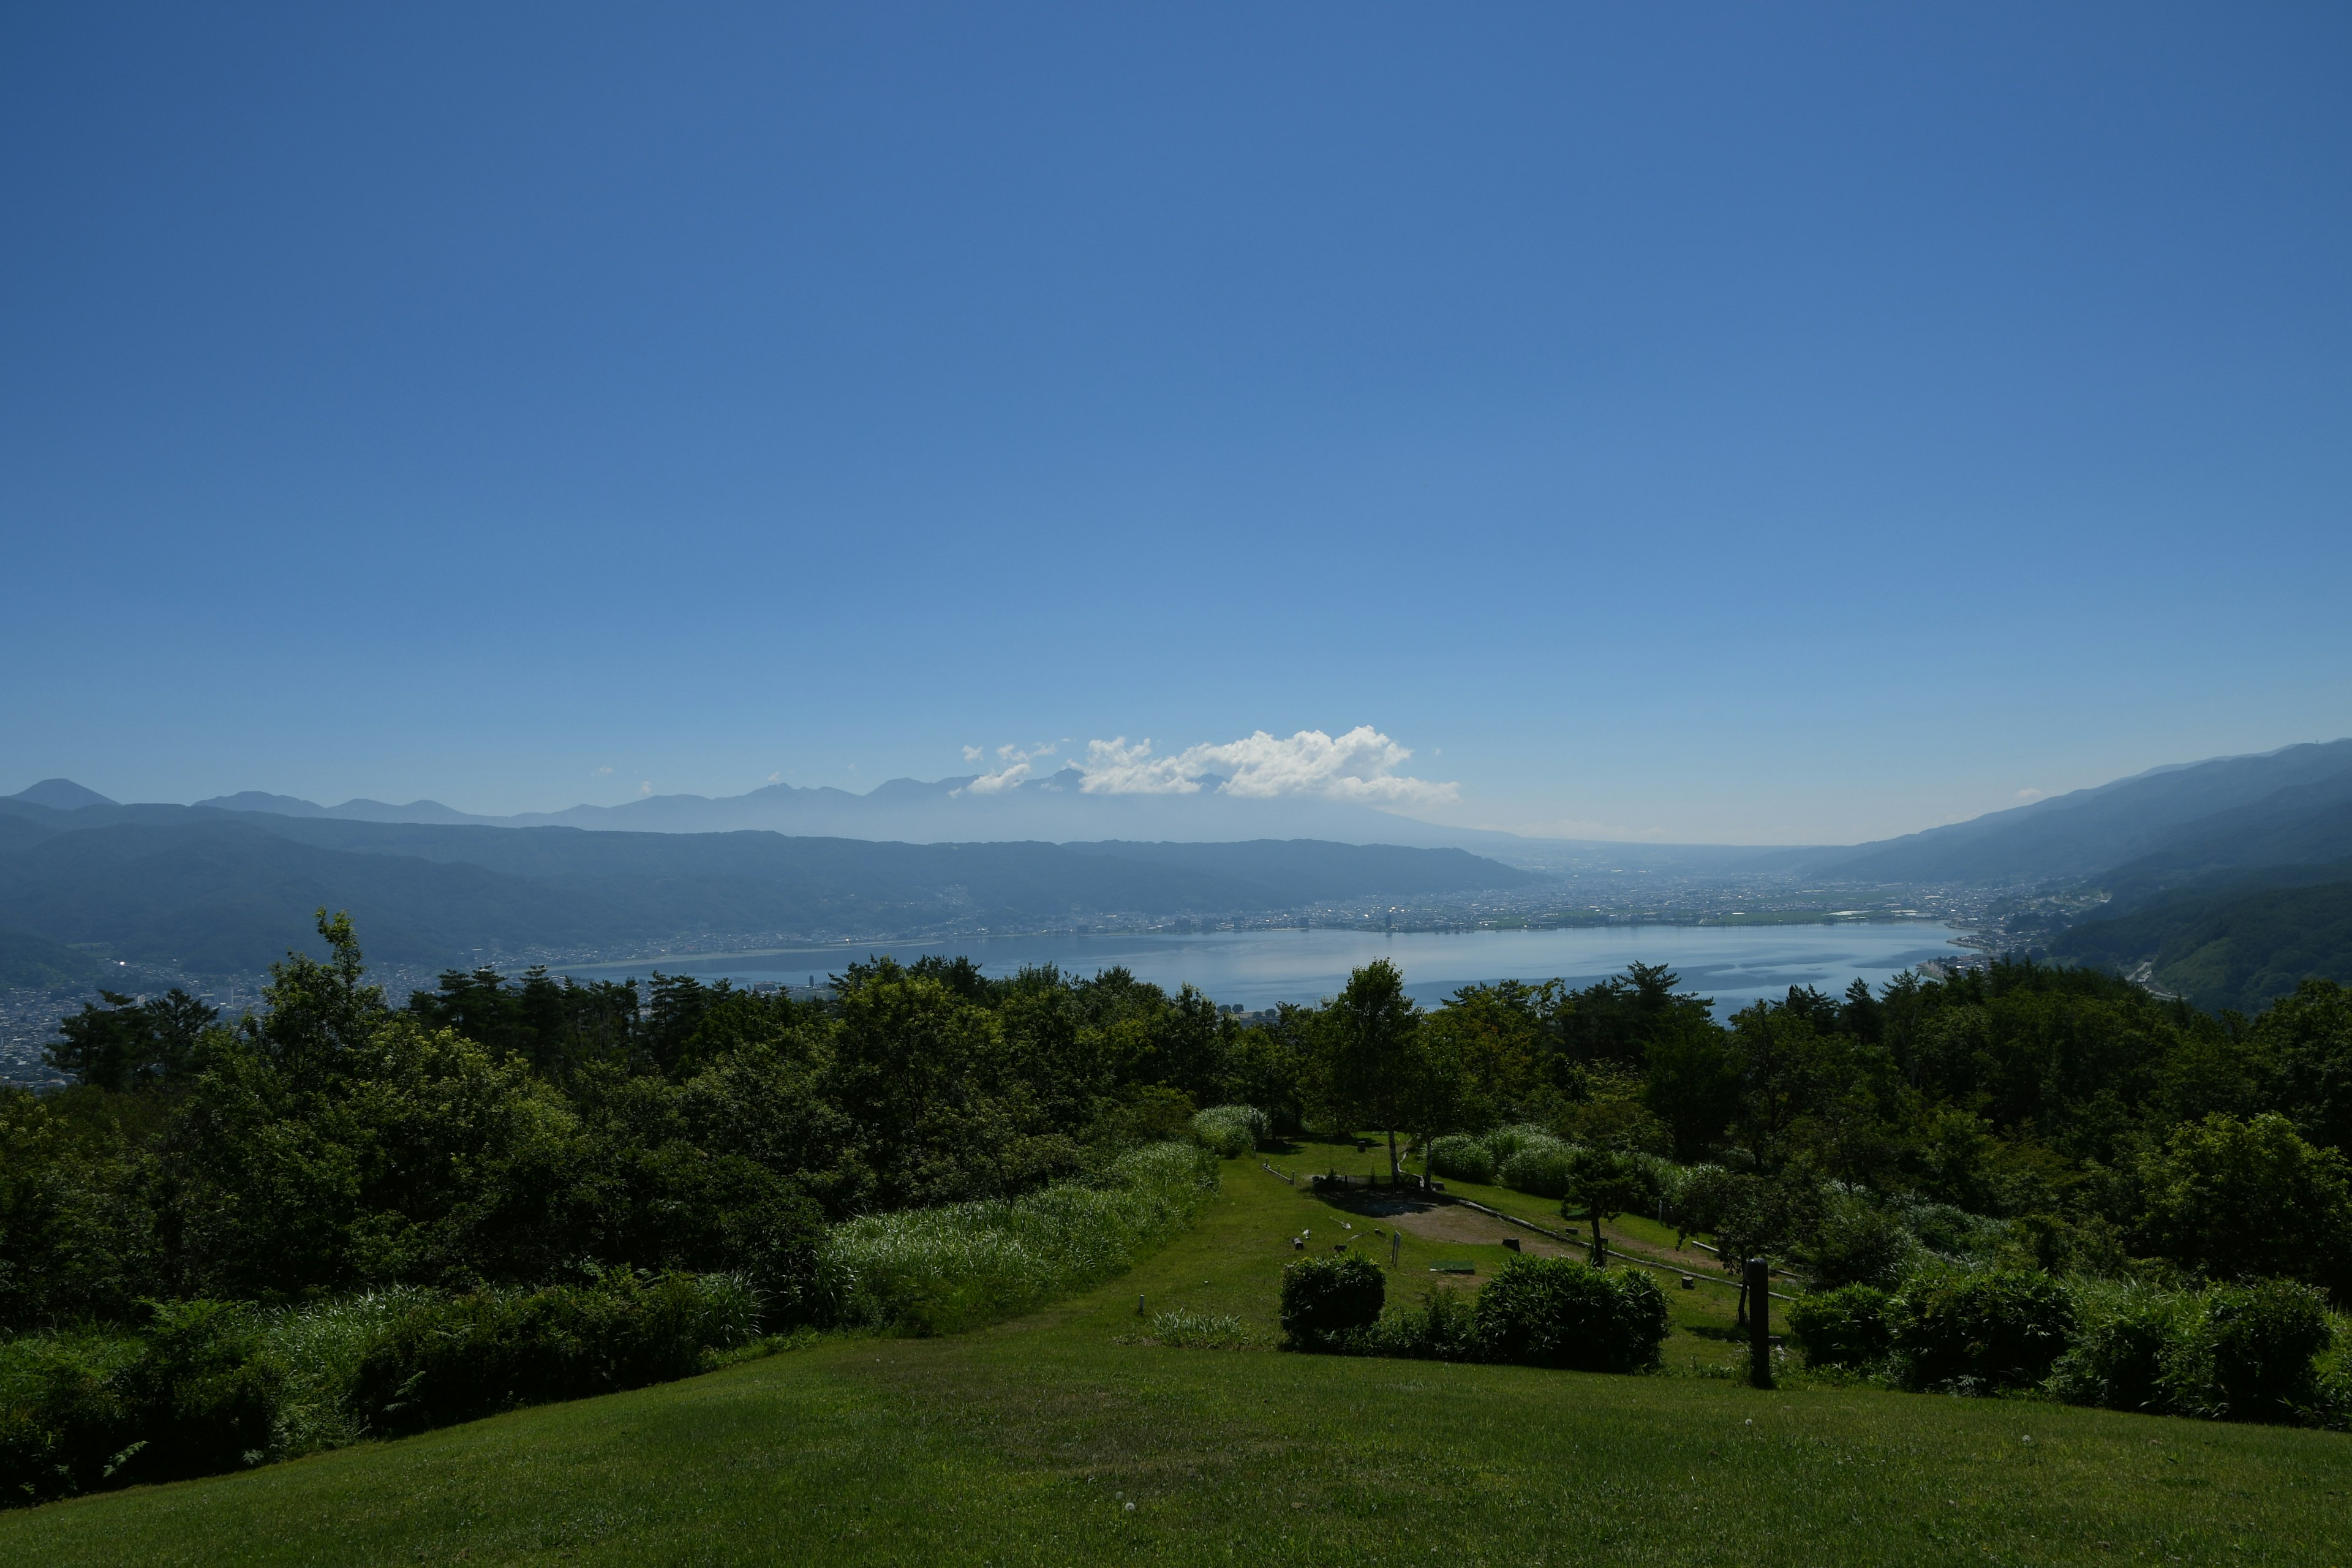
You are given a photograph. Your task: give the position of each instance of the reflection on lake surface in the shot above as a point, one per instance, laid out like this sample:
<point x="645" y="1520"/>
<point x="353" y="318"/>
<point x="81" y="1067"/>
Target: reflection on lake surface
<point x="1257" y="969"/>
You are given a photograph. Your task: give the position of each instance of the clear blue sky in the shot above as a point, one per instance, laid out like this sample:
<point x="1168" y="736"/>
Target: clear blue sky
<point x="1717" y="421"/>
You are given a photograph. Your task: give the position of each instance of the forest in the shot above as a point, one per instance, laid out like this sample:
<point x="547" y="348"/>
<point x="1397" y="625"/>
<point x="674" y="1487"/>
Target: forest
<point x="658" y="1173"/>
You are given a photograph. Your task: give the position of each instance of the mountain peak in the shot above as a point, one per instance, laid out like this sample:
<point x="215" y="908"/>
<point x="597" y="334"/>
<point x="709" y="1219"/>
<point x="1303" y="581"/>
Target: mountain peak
<point x="60" y="794"/>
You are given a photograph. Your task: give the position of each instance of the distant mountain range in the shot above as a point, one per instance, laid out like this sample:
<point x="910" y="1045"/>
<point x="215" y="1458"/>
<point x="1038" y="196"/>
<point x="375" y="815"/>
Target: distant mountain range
<point x="918" y="811"/>
<point x="2236" y="850"/>
<point x="222" y="892"/>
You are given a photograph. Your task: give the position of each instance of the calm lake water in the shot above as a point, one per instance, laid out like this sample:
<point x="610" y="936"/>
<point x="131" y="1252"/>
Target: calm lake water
<point x="1258" y="968"/>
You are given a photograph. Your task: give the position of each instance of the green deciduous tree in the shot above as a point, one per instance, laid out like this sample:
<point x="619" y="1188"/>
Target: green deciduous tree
<point x="2249" y="1200"/>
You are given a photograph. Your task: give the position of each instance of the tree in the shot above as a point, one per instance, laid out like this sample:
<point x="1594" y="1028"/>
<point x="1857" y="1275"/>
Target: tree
<point x="1375" y="1072"/>
<point x="1693" y="1083"/>
<point x="317" y="1012"/>
<point x="126" y="1044"/>
<point x="2307" y="1039"/>
<point x="1604" y="1184"/>
<point x="2249" y="1200"/>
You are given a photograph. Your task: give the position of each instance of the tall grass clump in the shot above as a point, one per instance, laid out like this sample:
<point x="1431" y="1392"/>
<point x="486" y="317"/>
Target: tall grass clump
<point x="1542" y="1165"/>
<point x="320" y="1345"/>
<point x="1232" y="1130"/>
<point x="1461" y="1159"/>
<point x="1186" y="1329"/>
<point x="931" y="1271"/>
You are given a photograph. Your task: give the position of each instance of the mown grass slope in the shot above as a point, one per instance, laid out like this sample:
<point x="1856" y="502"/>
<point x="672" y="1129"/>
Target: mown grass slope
<point x="1027" y="1443"/>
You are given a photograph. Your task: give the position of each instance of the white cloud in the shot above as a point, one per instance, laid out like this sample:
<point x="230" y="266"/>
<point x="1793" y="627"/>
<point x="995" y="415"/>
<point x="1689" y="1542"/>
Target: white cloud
<point x="602" y="772"/>
<point x="2031" y="794"/>
<point x="776" y="777"/>
<point x="1014" y="763"/>
<point x="646" y="787"/>
<point x="1359" y="766"/>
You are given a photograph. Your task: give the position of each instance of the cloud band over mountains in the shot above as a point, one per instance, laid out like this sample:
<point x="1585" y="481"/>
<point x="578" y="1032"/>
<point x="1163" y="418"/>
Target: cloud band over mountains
<point x="1360" y="765"/>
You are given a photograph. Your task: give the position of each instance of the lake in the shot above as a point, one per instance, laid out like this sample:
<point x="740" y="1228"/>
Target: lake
<point x="1255" y="969"/>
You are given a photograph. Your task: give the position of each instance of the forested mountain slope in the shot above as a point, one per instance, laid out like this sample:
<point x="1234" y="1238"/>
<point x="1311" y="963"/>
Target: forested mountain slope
<point x="2091" y="831"/>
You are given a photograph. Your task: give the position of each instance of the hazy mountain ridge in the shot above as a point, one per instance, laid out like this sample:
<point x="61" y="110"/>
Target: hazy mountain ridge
<point x="2088" y="832"/>
<point x="228" y="892"/>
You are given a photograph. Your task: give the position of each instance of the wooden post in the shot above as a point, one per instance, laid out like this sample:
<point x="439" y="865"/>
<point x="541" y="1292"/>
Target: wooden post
<point x="1760" y="1324"/>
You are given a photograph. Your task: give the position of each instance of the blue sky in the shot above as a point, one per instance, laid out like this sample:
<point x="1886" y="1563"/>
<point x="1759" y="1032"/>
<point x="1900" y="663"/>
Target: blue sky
<point x="1701" y="421"/>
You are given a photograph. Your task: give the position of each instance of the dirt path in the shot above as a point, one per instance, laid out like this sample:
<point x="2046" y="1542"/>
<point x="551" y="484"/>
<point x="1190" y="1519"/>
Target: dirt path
<point x="1450" y="1222"/>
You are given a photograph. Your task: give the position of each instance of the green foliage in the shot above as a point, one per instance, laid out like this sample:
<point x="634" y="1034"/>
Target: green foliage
<point x="192" y="1390"/>
<point x="1980" y="1330"/>
<point x="1183" y="1330"/>
<point x="2233" y="1352"/>
<point x="1556" y="1311"/>
<point x="1461" y="1158"/>
<point x="931" y="1271"/>
<point x="1325" y="1300"/>
<point x="1847" y="1326"/>
<point x="1232" y="1130"/>
<point x="1374" y="1066"/>
<point x="2249" y="1200"/>
<point x="2227" y="947"/>
<point x="126" y="1044"/>
<point x="2260" y="1341"/>
<point x="321" y="1344"/>
<point x="1443" y="1327"/>
<point x="451" y="1360"/>
<point x="1858" y="1243"/>
<point x="1542" y="1166"/>
<point x="2136" y="1349"/>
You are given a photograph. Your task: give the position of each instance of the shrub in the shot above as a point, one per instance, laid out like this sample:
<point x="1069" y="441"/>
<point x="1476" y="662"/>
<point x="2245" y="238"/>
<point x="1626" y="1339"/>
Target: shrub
<point x="468" y="1356"/>
<point x="2136" y="1349"/>
<point x="206" y="1392"/>
<point x="2260" y="1340"/>
<point x="192" y="1391"/>
<point x="66" y="1423"/>
<point x="1461" y="1159"/>
<point x="1859" y="1244"/>
<point x="1443" y="1328"/>
<point x="1556" y="1311"/>
<point x="1328" y="1300"/>
<point x="1992" y="1329"/>
<point x="320" y="1346"/>
<point x="1232" y="1130"/>
<point x="1844" y="1327"/>
<point x="1541" y="1166"/>
<point x="937" y="1270"/>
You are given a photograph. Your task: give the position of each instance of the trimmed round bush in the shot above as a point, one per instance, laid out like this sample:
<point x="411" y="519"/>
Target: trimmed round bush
<point x="1844" y="1327"/>
<point x="1998" y="1329"/>
<point x="1461" y="1159"/>
<point x="1557" y="1311"/>
<point x="1232" y="1130"/>
<point x="1328" y="1300"/>
<point x="1541" y="1166"/>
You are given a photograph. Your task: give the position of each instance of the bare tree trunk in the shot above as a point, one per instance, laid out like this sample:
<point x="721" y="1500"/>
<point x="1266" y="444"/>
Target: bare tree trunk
<point x="1395" y="1168"/>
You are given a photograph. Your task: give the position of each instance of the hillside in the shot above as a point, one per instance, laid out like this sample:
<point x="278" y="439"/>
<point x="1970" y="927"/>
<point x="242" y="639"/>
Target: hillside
<point x="1068" y="1438"/>
<point x="222" y="892"/>
<point x="35" y="961"/>
<point x="2090" y="831"/>
<point x="2227" y="947"/>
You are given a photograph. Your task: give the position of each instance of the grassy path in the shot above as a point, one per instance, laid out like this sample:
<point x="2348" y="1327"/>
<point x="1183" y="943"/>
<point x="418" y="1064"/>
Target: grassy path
<point x="1026" y="1444"/>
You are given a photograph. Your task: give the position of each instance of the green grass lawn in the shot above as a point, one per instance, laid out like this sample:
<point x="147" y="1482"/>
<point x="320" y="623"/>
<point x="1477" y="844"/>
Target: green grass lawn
<point x="1029" y="1442"/>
